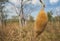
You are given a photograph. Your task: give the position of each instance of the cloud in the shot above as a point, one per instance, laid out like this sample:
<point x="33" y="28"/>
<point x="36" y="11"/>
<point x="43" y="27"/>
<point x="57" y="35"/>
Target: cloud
<point x="15" y="2"/>
<point x="35" y="2"/>
<point x="53" y="1"/>
<point x="58" y="10"/>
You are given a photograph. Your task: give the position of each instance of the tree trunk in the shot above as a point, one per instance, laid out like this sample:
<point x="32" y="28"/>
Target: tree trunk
<point x="21" y="19"/>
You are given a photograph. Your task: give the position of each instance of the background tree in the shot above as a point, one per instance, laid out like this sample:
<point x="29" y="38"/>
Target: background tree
<point x="22" y="11"/>
<point x="50" y="15"/>
<point x="3" y="17"/>
<point x="31" y="18"/>
<point x="22" y="15"/>
<point x="2" y="2"/>
<point x="15" y="18"/>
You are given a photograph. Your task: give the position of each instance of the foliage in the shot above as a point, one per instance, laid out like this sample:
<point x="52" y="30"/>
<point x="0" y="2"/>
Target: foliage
<point x="31" y="18"/>
<point x="50" y="15"/>
<point x="3" y="0"/>
<point x="57" y="18"/>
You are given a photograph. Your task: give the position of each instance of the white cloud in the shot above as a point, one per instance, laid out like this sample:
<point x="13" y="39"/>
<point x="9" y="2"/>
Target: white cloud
<point x="53" y="1"/>
<point x="15" y="1"/>
<point x="35" y="2"/>
<point x="58" y="10"/>
<point x="32" y="1"/>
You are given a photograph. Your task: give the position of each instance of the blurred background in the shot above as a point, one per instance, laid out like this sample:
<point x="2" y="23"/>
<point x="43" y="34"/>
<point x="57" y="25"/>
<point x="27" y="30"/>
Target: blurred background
<point x="17" y="13"/>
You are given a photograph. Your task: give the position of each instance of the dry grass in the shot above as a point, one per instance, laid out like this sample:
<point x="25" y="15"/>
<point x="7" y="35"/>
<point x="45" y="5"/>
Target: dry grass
<point x="12" y="32"/>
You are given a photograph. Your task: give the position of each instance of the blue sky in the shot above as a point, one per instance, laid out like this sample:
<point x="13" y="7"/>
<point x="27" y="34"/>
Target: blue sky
<point x="53" y="5"/>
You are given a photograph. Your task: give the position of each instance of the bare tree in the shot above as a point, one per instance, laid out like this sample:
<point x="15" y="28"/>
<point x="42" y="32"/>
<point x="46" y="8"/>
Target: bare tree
<point x="20" y="12"/>
<point x="3" y="0"/>
<point x="22" y="16"/>
<point x="2" y="15"/>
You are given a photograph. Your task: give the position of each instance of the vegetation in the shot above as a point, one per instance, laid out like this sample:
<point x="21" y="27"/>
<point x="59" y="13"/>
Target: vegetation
<point x="14" y="32"/>
<point x="3" y="0"/>
<point x="50" y="15"/>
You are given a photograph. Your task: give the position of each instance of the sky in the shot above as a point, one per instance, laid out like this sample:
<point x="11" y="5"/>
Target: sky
<point x="53" y="5"/>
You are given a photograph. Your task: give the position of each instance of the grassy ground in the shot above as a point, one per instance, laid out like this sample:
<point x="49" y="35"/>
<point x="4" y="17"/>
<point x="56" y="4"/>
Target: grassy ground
<point x="12" y="32"/>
